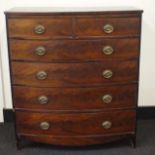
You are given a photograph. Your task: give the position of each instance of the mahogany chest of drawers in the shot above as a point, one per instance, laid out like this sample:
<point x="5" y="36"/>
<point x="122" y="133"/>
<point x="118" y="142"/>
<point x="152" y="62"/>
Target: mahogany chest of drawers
<point x="74" y="75"/>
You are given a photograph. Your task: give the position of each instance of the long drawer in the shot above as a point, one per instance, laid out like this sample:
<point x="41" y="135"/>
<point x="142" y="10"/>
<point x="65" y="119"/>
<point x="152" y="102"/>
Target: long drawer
<point x="72" y="124"/>
<point x="75" y="99"/>
<point x="73" y="50"/>
<point x="74" y="74"/>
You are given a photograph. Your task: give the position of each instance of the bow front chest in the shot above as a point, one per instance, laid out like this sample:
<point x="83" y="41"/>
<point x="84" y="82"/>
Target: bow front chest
<point x="74" y="74"/>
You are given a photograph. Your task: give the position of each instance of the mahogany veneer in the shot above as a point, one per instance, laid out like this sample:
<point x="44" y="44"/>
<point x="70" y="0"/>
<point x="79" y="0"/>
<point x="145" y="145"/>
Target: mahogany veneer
<point x="74" y="50"/>
<point x="74" y="74"/>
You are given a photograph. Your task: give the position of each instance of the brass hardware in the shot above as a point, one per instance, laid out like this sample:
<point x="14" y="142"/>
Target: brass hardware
<point x="108" y="50"/>
<point x="39" y="29"/>
<point x="41" y="75"/>
<point x="44" y="125"/>
<point x="108" y="28"/>
<point x="107" y="74"/>
<point x="107" y="124"/>
<point x="43" y="99"/>
<point x="107" y="98"/>
<point x="40" y="50"/>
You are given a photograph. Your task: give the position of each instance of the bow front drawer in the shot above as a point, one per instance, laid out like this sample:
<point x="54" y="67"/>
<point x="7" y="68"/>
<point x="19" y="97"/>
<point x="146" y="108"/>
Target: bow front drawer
<point x="74" y="124"/>
<point x="40" y="27"/>
<point x="76" y="99"/>
<point x="74" y="50"/>
<point x="74" y="74"/>
<point x="107" y="27"/>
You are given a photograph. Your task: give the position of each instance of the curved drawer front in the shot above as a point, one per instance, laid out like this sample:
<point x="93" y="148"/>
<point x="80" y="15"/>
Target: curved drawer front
<point x="74" y="74"/>
<point x="107" y="27"/>
<point x="73" y="50"/>
<point x="69" y="124"/>
<point x="39" y="27"/>
<point x="100" y="98"/>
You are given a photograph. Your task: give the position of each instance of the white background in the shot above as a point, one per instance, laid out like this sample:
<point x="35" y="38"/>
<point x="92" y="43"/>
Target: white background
<point x="147" y="66"/>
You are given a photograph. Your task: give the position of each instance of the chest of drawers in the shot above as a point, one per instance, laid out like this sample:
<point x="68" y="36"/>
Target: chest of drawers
<point x="74" y="75"/>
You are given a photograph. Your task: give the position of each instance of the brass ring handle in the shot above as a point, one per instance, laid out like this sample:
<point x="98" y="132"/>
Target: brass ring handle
<point x="41" y="75"/>
<point x="44" y="125"/>
<point x="107" y="98"/>
<point x="108" y="50"/>
<point x="40" y="51"/>
<point x="107" y="124"/>
<point x="108" y="28"/>
<point x="39" y="29"/>
<point x="43" y="99"/>
<point x="107" y="73"/>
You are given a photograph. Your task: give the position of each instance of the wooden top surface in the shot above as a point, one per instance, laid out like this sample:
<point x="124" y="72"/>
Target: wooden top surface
<point x="59" y="10"/>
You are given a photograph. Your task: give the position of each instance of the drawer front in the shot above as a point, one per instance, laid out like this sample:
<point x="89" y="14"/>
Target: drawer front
<point x="73" y="50"/>
<point x="69" y="124"/>
<point x="73" y="74"/>
<point x="107" y="26"/>
<point x="40" y="27"/>
<point x="101" y="98"/>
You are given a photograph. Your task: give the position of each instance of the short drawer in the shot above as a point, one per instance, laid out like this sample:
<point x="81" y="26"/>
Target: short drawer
<point x="107" y="27"/>
<point x="74" y="74"/>
<point x="73" y="50"/>
<point x="39" y="27"/>
<point x="74" y="99"/>
<point x="72" y="124"/>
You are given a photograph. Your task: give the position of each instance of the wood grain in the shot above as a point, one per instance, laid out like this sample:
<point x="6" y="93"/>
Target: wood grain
<point x="54" y="27"/>
<point x="73" y="50"/>
<point x="74" y="124"/>
<point x="94" y="26"/>
<point x="73" y="74"/>
<point x="75" y="99"/>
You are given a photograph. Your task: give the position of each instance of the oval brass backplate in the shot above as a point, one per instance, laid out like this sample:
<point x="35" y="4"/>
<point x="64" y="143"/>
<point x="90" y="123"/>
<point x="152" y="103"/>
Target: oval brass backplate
<point x="43" y="99"/>
<point x="40" y="51"/>
<point x="108" y="50"/>
<point x="44" y="125"/>
<point x="107" y="124"/>
<point x="108" y="28"/>
<point x="107" y="98"/>
<point x="41" y="75"/>
<point x="39" y="29"/>
<point x="107" y="73"/>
